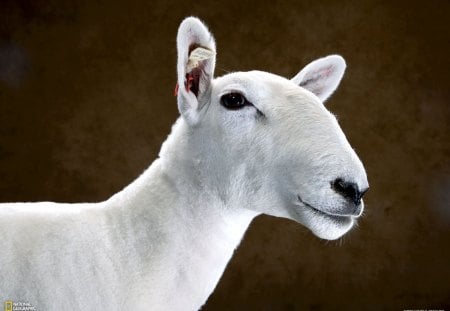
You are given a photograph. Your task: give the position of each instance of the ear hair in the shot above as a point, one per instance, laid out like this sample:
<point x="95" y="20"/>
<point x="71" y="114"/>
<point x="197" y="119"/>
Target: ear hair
<point x="322" y="76"/>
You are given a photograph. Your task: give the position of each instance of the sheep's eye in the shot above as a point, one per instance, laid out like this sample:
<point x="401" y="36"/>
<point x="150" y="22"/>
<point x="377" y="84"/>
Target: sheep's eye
<point x="233" y="101"/>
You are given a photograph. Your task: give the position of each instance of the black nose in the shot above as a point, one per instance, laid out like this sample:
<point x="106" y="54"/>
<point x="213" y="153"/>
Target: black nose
<point x="348" y="190"/>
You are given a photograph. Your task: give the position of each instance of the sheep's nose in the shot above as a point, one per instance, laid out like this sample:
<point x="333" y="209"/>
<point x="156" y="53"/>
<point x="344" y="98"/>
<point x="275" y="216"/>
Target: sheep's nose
<point x="349" y="190"/>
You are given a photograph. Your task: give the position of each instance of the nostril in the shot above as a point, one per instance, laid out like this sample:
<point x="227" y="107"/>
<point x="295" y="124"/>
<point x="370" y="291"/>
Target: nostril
<point x="348" y="190"/>
<point x="339" y="186"/>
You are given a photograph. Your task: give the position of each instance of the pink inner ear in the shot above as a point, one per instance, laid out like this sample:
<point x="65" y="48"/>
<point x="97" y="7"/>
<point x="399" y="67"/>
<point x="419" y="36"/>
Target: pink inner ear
<point x="315" y="77"/>
<point x="327" y="71"/>
<point x="193" y="80"/>
<point x="191" y="83"/>
<point x="322" y="73"/>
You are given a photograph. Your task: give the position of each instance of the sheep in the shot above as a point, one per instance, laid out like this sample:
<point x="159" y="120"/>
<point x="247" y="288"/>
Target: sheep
<point x="245" y="144"/>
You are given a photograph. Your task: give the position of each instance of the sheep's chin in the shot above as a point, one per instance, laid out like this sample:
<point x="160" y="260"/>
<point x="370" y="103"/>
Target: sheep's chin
<point x="322" y="225"/>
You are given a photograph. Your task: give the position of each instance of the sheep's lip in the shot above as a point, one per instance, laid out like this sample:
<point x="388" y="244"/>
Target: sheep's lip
<point x="319" y="211"/>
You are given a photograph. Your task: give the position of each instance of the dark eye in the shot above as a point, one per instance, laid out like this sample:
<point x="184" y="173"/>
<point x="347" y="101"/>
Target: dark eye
<point x="233" y="101"/>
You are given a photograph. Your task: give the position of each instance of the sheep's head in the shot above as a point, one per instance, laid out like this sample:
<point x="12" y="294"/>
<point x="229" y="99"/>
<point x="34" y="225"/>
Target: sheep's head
<point x="267" y="143"/>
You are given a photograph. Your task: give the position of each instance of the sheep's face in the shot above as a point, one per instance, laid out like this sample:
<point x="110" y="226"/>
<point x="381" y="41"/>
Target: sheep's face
<point x="271" y="144"/>
<point x="268" y="144"/>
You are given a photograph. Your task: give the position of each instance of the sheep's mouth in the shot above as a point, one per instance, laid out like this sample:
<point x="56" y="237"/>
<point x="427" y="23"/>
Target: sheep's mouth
<point x="320" y="212"/>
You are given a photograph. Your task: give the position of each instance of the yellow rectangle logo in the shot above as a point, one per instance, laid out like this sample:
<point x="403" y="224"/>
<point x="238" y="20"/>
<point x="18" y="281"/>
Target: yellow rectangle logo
<point x="8" y="305"/>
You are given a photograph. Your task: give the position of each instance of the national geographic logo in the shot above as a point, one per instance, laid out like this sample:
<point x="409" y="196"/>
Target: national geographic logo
<point x="18" y="306"/>
<point x="8" y="305"/>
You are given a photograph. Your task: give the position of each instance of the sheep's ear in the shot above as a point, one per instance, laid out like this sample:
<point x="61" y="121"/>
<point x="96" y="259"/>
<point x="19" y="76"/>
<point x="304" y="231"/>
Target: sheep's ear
<point x="322" y="76"/>
<point x="196" y="60"/>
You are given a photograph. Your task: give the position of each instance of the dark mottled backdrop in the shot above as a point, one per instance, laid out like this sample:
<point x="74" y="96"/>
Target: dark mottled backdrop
<point x="86" y="101"/>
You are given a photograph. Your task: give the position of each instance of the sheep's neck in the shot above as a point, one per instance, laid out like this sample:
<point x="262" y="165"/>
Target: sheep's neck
<point x="191" y="237"/>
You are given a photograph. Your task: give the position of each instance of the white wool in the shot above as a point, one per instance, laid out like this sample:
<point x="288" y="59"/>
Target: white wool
<point x="164" y="241"/>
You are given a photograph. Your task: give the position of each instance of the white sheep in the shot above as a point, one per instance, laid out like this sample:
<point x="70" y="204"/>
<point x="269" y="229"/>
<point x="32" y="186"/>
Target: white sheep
<point x="247" y="143"/>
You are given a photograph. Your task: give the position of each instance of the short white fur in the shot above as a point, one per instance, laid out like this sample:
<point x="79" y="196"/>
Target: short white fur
<point x="163" y="242"/>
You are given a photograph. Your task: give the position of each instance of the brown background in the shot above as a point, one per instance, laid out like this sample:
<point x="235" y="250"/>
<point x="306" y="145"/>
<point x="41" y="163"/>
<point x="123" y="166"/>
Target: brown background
<point x="86" y="101"/>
